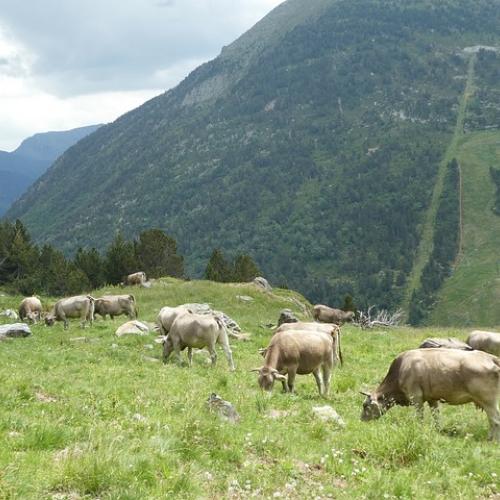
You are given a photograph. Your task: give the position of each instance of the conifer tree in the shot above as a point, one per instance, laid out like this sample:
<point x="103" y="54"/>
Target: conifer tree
<point x="120" y="260"/>
<point x="245" y="269"/>
<point x="218" y="268"/>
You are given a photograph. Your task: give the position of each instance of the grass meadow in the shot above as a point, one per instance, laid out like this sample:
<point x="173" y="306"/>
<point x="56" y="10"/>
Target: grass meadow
<point x="86" y="415"/>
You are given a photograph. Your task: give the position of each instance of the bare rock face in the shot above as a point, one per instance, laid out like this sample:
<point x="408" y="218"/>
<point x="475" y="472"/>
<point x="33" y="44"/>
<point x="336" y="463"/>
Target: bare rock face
<point x="133" y="328"/>
<point x="262" y="283"/>
<point x="15" y="330"/>
<point x="287" y="316"/>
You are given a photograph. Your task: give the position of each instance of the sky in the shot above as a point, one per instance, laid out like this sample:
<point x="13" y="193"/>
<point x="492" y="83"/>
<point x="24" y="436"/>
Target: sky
<point x="70" y="63"/>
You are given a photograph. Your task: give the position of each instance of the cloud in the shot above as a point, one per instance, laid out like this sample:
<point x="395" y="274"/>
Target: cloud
<point x="79" y="62"/>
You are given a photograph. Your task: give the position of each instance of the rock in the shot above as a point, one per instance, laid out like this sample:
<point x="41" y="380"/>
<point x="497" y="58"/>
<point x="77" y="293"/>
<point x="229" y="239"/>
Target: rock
<point x="262" y="283"/>
<point x="146" y="284"/>
<point x="230" y="324"/>
<point x="14" y="331"/>
<point x="449" y="343"/>
<point x="10" y="313"/>
<point x="275" y="414"/>
<point x="244" y="298"/>
<point x="150" y="359"/>
<point x="133" y="327"/>
<point x="328" y="414"/>
<point x="287" y="316"/>
<point x="224" y="409"/>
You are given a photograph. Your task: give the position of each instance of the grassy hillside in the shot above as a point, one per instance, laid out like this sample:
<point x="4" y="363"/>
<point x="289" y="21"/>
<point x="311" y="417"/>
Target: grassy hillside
<point x="471" y="296"/>
<point x="100" y="418"/>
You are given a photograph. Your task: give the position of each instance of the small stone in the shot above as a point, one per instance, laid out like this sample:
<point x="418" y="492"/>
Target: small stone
<point x="245" y="298"/>
<point x="224" y="409"/>
<point x="328" y="414"/>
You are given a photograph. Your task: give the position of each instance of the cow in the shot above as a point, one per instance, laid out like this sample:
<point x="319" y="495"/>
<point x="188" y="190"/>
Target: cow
<point x="168" y="315"/>
<point x="449" y="343"/>
<point x="116" y="305"/>
<point x="330" y="328"/>
<point x="30" y="308"/>
<point x="293" y="352"/>
<point x="325" y="314"/>
<point x="197" y="331"/>
<point x="138" y="278"/>
<point x="81" y="306"/>
<point x="485" y="341"/>
<point x="439" y="375"/>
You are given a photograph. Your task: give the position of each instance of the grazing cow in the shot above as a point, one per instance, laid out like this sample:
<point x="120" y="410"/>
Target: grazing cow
<point x="439" y="375"/>
<point x="449" y="343"/>
<point x="326" y="314"/>
<point x="136" y="279"/>
<point x="293" y="352"/>
<point x="197" y="331"/>
<point x="81" y="306"/>
<point x="116" y="305"/>
<point x="30" y="308"/>
<point x="168" y="315"/>
<point x="485" y="341"/>
<point x="330" y="328"/>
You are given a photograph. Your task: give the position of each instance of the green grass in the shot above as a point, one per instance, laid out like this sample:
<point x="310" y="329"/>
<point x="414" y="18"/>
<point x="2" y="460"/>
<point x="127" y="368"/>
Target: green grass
<point x="471" y="296"/>
<point x="98" y="419"/>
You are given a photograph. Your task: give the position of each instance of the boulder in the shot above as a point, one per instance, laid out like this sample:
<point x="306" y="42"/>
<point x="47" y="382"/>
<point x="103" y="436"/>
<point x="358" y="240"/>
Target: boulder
<point x="10" y="313"/>
<point x="328" y="414"/>
<point x="262" y="283"/>
<point x="133" y="328"/>
<point x="224" y="409"/>
<point x="287" y="316"/>
<point x="14" y="330"/>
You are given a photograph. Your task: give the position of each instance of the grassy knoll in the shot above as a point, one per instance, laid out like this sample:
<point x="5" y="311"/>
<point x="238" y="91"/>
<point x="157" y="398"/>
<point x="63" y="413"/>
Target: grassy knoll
<point x="471" y="296"/>
<point x="99" y="419"/>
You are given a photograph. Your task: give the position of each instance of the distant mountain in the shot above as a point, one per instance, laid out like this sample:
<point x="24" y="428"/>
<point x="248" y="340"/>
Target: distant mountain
<point x="315" y="143"/>
<point x="20" y="168"/>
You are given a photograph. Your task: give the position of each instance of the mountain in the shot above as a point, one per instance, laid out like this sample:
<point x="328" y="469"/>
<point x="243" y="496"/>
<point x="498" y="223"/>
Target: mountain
<point x="20" y="168"/>
<point x="318" y="142"/>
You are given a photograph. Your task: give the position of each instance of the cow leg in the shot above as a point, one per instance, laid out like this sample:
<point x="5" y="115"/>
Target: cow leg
<point x="434" y="406"/>
<point x="327" y="376"/>
<point x="319" y="380"/>
<point x="213" y="353"/>
<point x="291" y="378"/>
<point x="494" y="419"/>
<point x="190" y="357"/>
<point x="227" y="350"/>
<point x="167" y="351"/>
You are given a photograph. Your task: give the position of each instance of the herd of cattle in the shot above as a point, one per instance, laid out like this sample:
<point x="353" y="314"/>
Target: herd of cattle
<point x="439" y="371"/>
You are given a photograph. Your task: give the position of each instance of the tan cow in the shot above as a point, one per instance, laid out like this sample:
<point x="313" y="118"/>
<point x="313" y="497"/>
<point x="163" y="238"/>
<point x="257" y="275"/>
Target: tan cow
<point x="116" y="305"/>
<point x="197" y="331"/>
<point x="168" y="315"/>
<point x="485" y="341"/>
<point x="138" y="278"/>
<point x="326" y="314"/>
<point x="81" y="306"/>
<point x="301" y="352"/>
<point x="330" y="328"/>
<point x="439" y="375"/>
<point x="30" y="308"/>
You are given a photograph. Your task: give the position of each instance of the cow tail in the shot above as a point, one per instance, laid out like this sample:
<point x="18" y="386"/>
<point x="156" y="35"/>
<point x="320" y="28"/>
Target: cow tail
<point x="336" y="333"/>
<point x="91" y="308"/>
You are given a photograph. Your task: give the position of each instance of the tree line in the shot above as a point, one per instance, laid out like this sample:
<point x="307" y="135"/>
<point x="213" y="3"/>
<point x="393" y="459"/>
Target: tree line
<point x="27" y="268"/>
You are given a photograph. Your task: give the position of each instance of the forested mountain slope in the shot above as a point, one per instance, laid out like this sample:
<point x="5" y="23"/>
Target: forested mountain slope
<point x="20" y="168"/>
<point x="312" y="143"/>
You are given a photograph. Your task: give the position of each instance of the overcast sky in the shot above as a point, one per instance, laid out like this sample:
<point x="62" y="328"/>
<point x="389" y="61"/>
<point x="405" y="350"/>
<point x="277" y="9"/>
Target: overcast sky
<point x="69" y="63"/>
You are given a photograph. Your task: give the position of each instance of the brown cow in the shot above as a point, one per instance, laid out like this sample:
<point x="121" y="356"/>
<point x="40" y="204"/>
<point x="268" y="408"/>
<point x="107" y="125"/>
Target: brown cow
<point x="300" y="352"/>
<point x="138" y="278"/>
<point x="485" y="341"/>
<point x="30" y="308"/>
<point x="326" y="314"/>
<point x="197" y="331"/>
<point x="116" y="305"/>
<point x="81" y="306"/>
<point x="439" y="375"/>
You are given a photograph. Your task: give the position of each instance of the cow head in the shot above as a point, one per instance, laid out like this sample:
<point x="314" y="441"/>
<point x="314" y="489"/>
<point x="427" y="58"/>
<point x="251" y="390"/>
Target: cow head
<point x="267" y="376"/>
<point x="373" y="406"/>
<point x="50" y="319"/>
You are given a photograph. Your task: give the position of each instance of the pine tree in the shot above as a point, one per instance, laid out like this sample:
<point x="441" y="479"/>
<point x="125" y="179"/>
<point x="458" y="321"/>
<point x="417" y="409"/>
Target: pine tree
<point x="245" y="269"/>
<point x="120" y="260"/>
<point x="157" y="256"/>
<point x="218" y="268"/>
<point x="91" y="264"/>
